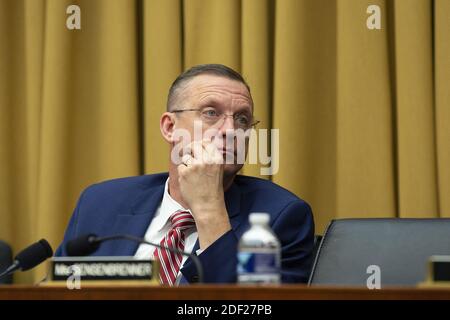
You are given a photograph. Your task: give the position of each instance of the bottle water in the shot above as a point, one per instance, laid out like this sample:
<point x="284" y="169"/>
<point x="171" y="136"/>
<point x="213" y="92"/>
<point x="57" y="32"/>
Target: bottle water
<point x="259" y="252"/>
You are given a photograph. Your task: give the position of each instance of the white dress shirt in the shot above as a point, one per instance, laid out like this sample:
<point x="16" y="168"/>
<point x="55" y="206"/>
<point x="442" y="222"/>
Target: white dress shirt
<point x="161" y="225"/>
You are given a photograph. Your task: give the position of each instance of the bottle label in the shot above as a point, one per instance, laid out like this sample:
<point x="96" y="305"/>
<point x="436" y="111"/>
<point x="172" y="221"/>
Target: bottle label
<point x="258" y="267"/>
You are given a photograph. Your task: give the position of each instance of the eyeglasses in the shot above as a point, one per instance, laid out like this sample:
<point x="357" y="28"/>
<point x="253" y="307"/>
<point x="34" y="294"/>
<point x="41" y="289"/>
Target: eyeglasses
<point x="211" y="117"/>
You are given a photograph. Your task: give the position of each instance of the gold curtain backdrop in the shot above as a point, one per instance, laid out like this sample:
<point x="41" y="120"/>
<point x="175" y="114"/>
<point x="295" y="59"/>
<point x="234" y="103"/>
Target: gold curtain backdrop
<point x="364" y="115"/>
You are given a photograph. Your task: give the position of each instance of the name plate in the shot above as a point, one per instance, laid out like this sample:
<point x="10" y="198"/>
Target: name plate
<point x="439" y="269"/>
<point x="103" y="268"/>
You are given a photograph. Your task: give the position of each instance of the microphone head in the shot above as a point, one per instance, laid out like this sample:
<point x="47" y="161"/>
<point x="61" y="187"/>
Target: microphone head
<point x="82" y="246"/>
<point x="33" y="255"/>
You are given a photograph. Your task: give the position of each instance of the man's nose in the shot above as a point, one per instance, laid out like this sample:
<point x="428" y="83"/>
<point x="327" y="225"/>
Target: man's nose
<point x="228" y="124"/>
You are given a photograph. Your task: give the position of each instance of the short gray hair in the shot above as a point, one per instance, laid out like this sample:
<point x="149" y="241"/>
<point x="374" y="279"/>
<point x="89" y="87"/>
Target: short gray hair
<point x="211" y="69"/>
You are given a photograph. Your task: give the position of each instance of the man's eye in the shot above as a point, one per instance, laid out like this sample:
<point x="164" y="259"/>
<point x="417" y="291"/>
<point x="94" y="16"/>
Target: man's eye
<point x="241" y="119"/>
<point x="210" y="113"/>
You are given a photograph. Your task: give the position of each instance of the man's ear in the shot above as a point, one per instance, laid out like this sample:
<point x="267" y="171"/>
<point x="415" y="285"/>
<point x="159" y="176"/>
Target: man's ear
<point x="166" y="125"/>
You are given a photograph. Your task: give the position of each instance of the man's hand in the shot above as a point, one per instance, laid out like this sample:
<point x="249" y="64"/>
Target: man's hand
<point x="200" y="178"/>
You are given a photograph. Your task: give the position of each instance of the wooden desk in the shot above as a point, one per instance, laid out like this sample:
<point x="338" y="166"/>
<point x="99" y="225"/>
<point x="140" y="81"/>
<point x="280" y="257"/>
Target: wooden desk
<point x="222" y="292"/>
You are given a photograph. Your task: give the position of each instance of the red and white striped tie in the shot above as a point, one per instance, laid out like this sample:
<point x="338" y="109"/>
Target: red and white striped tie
<point x="171" y="262"/>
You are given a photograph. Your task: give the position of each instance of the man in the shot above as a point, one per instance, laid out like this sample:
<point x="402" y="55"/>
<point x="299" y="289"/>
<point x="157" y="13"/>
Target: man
<point x="201" y="205"/>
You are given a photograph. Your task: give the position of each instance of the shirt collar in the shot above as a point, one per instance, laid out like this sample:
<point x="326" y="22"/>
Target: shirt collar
<point x="168" y="206"/>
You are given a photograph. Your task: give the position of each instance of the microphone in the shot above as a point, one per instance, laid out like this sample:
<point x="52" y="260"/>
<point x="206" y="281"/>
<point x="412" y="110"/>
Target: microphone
<point x="89" y="243"/>
<point x="82" y="246"/>
<point x="30" y="257"/>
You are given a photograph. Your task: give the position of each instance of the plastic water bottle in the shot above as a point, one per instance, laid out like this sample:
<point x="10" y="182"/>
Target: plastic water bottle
<point x="259" y="252"/>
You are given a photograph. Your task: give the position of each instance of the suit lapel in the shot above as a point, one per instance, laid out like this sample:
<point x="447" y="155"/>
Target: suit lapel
<point x="136" y="223"/>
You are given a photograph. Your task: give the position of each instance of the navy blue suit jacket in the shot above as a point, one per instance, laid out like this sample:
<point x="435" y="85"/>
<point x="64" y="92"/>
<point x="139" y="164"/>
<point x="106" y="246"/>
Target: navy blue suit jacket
<point x="127" y="206"/>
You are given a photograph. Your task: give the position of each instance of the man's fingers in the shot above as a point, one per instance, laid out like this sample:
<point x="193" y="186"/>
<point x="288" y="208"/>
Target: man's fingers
<point x="208" y="152"/>
<point x="187" y="159"/>
<point x="214" y="156"/>
<point x="195" y="150"/>
<point x="198" y="152"/>
<point x="204" y="151"/>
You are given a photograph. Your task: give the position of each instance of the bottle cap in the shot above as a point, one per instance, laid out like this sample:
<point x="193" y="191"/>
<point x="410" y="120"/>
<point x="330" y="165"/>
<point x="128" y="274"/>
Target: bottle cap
<point x="259" y="218"/>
